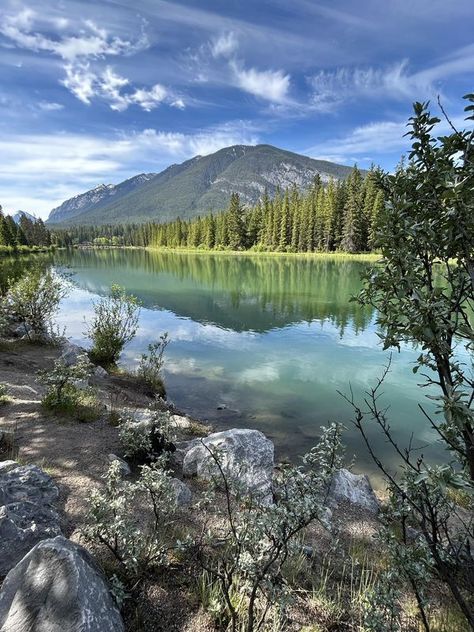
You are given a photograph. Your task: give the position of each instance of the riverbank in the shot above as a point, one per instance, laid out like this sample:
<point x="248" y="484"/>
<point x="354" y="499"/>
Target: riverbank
<point x="76" y="455"/>
<point x="339" y="256"/>
<point x="6" y="251"/>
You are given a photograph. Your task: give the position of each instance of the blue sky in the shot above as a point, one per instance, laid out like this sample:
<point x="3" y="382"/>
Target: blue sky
<point x="97" y="91"/>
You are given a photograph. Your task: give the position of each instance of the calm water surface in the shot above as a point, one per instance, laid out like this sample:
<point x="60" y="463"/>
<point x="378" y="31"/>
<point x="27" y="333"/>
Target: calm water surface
<point x="273" y="339"/>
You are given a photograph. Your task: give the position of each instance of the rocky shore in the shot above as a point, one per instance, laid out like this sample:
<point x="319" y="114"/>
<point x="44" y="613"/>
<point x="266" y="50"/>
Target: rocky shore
<point x="50" y="464"/>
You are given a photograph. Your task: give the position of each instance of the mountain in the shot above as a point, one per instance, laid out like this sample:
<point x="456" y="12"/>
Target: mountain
<point x="197" y="186"/>
<point x="97" y="198"/>
<point x="17" y="216"/>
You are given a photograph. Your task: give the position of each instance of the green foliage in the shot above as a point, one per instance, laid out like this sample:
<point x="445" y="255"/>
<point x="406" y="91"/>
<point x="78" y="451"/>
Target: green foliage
<point x="63" y="395"/>
<point x="341" y="215"/>
<point x="247" y="550"/>
<point x="34" y="299"/>
<point x="199" y="186"/>
<point x="114" y="324"/>
<point x="423" y="289"/>
<point x="151" y="365"/>
<point x="145" y="441"/>
<point x="137" y="541"/>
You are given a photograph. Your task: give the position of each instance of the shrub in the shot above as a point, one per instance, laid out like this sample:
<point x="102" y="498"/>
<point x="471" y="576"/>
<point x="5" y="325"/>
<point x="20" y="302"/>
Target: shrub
<point x="151" y="364"/>
<point x="62" y="394"/>
<point x="246" y="551"/>
<point x="137" y="544"/>
<point x="145" y="441"/>
<point x="113" y="326"/>
<point x="34" y="299"/>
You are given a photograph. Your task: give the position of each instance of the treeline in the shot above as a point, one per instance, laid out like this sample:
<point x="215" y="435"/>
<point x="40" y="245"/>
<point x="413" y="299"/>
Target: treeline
<point x="26" y="233"/>
<point x="333" y="216"/>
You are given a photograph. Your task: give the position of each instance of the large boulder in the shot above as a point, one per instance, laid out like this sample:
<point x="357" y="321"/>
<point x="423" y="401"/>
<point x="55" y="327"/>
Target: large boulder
<point x="355" y="489"/>
<point x="71" y="353"/>
<point x="57" y="588"/>
<point x="246" y="458"/>
<point x="27" y="498"/>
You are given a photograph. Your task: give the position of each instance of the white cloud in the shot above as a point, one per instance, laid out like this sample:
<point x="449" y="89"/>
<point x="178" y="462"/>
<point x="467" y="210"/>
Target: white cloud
<point x="74" y="163"/>
<point x="272" y="85"/>
<point x="78" y="51"/>
<point x="367" y="142"/>
<point x="50" y="106"/>
<point x="225" y="45"/>
<point x="92" y="41"/>
<point x="332" y="88"/>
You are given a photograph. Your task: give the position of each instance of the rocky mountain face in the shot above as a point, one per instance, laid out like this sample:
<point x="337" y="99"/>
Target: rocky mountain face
<point x="96" y="198"/>
<point x="198" y="186"/>
<point x="17" y="216"/>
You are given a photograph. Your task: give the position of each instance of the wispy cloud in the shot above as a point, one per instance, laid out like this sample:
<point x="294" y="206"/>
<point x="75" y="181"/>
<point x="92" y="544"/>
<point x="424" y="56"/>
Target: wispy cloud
<point x="78" y="51"/>
<point x="271" y="85"/>
<point x="74" y="162"/>
<point x="224" y="45"/>
<point x="331" y="89"/>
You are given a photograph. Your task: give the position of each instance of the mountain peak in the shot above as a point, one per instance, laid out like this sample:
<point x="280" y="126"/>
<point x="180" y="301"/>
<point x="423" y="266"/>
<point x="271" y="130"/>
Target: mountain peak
<point x="197" y="186"/>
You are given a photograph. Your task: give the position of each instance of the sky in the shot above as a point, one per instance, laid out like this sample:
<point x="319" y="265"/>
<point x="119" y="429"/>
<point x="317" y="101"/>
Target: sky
<point x="96" y="91"/>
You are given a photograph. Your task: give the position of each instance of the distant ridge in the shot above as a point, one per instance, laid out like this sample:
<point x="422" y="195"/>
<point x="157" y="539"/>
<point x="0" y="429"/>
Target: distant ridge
<point x="17" y="216"/>
<point x="196" y="187"/>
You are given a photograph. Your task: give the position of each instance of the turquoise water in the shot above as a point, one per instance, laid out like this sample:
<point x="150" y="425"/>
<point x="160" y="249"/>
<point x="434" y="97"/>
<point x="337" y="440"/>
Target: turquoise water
<point x="271" y="340"/>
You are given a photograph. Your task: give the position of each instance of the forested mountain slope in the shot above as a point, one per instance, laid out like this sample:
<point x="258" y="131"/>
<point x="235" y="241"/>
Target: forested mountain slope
<point x="197" y="186"/>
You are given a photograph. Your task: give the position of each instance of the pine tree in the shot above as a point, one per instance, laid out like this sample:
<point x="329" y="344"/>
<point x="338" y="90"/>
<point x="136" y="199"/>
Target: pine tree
<point x="235" y="225"/>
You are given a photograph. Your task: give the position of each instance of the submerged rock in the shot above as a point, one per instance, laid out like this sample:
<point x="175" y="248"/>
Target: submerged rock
<point x="353" y="488"/>
<point x="246" y="457"/>
<point x="57" y="587"/>
<point x="27" y="497"/>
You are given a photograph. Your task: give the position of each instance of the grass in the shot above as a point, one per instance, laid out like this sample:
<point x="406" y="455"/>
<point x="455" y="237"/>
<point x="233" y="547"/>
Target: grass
<point x="363" y="256"/>
<point x="80" y="405"/>
<point x="4" y="397"/>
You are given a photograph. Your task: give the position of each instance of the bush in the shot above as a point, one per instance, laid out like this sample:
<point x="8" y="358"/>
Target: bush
<point x="34" y="299"/>
<point x="246" y="551"/>
<point x="113" y="521"/>
<point x="145" y="441"/>
<point x="62" y="394"/>
<point x="114" y="325"/>
<point x="151" y="364"/>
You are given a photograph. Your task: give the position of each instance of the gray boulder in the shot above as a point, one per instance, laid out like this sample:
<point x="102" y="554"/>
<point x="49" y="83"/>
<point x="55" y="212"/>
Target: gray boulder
<point x="6" y="466"/>
<point x="246" y="457"/>
<point x="355" y="489"/>
<point x="72" y="353"/>
<point x="124" y="466"/>
<point x="57" y="588"/>
<point x="183" y="494"/>
<point x="99" y="371"/>
<point x="27" y="515"/>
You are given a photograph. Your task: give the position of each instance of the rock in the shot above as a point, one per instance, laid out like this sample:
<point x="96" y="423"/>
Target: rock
<point x="221" y="406"/>
<point x="180" y="421"/>
<point x="6" y="466"/>
<point x="22" y="526"/>
<point x="27" y="482"/>
<point x="182" y="448"/>
<point x="183" y="494"/>
<point x="353" y="488"/>
<point x="27" y="516"/>
<point x="23" y="330"/>
<point x="124" y="466"/>
<point x="56" y="587"/>
<point x="246" y="456"/>
<point x="72" y="353"/>
<point x="99" y="371"/>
